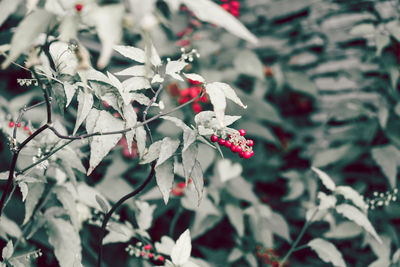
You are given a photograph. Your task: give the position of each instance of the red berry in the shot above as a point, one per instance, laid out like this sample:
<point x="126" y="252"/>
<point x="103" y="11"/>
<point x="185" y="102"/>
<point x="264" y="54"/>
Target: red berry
<point x="126" y="153"/>
<point x="250" y="142"/>
<point x="147" y="247"/>
<point x="183" y="100"/>
<point x="225" y="6"/>
<point x="185" y="92"/>
<point x="11" y="124"/>
<point x="241" y="154"/>
<point x="18" y="124"/>
<point x="196" y="108"/>
<point x="221" y="141"/>
<point x="247" y="154"/>
<point x="193" y="82"/>
<point x="26" y="128"/>
<point x="78" y="7"/>
<point x="275" y="264"/>
<point x="235" y="4"/>
<point x="181" y="185"/>
<point x="150" y="255"/>
<point x="214" y="138"/>
<point x="30" y="133"/>
<point x="228" y="144"/>
<point x="116" y="115"/>
<point x="143" y="253"/>
<point x="177" y="192"/>
<point x="239" y="149"/>
<point x="242" y="132"/>
<point x="105" y="104"/>
<point x="161" y="258"/>
<point x="251" y="153"/>
<point x="233" y="148"/>
<point x="190" y="180"/>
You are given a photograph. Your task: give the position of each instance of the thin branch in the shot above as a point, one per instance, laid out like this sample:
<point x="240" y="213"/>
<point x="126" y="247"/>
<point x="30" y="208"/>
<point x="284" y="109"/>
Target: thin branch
<point x="21" y="114"/>
<point x="83" y="136"/>
<point x="154" y="99"/>
<point x="116" y="206"/>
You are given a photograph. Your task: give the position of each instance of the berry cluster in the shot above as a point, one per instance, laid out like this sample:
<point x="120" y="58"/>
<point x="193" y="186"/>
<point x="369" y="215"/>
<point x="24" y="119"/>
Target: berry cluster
<point x="11" y="124"/>
<point x="189" y="93"/>
<point x="269" y="256"/>
<point x="239" y="144"/>
<point x="180" y="188"/>
<point x="144" y="251"/>
<point x="382" y="199"/>
<point x="232" y="6"/>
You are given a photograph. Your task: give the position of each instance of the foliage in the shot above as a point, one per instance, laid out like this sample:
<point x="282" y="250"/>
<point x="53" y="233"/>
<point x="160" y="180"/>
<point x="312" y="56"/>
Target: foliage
<point x="100" y="96"/>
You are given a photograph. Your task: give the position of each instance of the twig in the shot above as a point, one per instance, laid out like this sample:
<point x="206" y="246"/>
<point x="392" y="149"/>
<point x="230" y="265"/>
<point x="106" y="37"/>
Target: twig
<point x="21" y="114"/>
<point x="114" y="208"/>
<point x="154" y="99"/>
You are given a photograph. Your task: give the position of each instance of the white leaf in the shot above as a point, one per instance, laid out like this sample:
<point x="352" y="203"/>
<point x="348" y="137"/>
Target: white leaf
<point x="230" y="93"/>
<point x="174" y="66"/>
<point x="154" y="57"/>
<point x="349" y="193"/>
<point x="194" y="77"/>
<point x="235" y="216"/>
<point x="140" y="98"/>
<point x="165" y="246"/>
<point x="198" y="180"/>
<point x="131" y="52"/>
<point x="153" y="153"/>
<point x="189" y="137"/>
<point x="355" y="215"/>
<point x="95" y="75"/>
<point x="130" y="117"/>
<point x="344" y="230"/>
<point x="165" y="178"/>
<point x="247" y="62"/>
<point x="27" y="31"/>
<point x="217" y="98"/>
<point x="136" y="83"/>
<point x="188" y="160"/>
<point x="7" y="7"/>
<point x="108" y="22"/>
<point x="120" y="87"/>
<point x="168" y="148"/>
<point x="65" y="241"/>
<point x="227" y="170"/>
<point x="325" y="179"/>
<point x="91" y="120"/>
<point x="141" y="140"/>
<point x="327" y="251"/>
<point x="69" y="90"/>
<point x="8" y="250"/>
<point x="101" y="145"/>
<point x="24" y="190"/>
<point x="181" y="251"/>
<point x="35" y="193"/>
<point x="157" y="79"/>
<point x="211" y="12"/>
<point x="177" y="122"/>
<point x="85" y="103"/>
<point x="144" y="217"/>
<point x="138" y="70"/>
<point x="68" y="202"/>
<point x="387" y="158"/>
<point x="325" y="201"/>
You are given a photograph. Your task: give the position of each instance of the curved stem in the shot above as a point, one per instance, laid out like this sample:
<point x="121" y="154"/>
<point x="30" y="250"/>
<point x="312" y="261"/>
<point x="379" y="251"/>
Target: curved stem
<point x="296" y="242"/>
<point x="116" y="206"/>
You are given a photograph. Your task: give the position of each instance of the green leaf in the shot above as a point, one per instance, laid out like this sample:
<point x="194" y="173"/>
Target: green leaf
<point x="235" y="216"/>
<point x="167" y="149"/>
<point x="108" y="22"/>
<point x="325" y="179"/>
<point x="101" y="145"/>
<point x="327" y="251"/>
<point x="211" y="12"/>
<point x="387" y="158"/>
<point x="349" y="193"/>
<point x="85" y="104"/>
<point x="165" y="178"/>
<point x="355" y="215"/>
<point x="131" y="52"/>
<point x="27" y="31"/>
<point x="32" y="199"/>
<point x="181" y="251"/>
<point x="247" y="62"/>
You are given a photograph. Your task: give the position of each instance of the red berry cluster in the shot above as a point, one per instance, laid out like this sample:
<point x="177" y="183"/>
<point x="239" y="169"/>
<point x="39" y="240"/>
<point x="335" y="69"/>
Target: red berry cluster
<point x="239" y="144"/>
<point x="232" y="6"/>
<point x="180" y="188"/>
<point x="188" y="94"/>
<point x="144" y="251"/>
<point x="269" y="256"/>
<point x="11" y="124"/>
